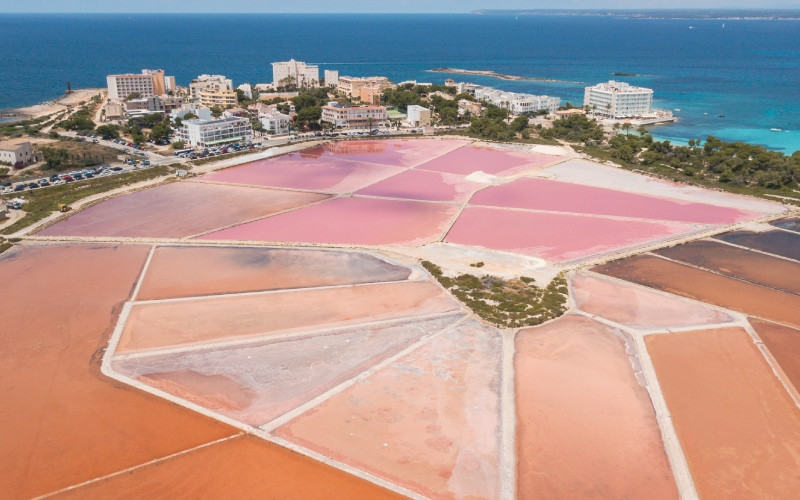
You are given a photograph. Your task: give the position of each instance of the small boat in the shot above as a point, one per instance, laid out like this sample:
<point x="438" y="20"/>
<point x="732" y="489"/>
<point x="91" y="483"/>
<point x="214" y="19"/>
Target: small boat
<point x="723" y="25"/>
<point x="776" y="130"/>
<point x="720" y="116"/>
<point x="677" y="109"/>
<point x="691" y="27"/>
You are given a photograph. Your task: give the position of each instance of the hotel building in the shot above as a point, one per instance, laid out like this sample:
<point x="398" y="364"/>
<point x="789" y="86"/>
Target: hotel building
<point x="518" y="104"/>
<point x="294" y="72"/>
<point x="356" y="117"/>
<point x="331" y="78"/>
<point x="618" y="100"/>
<point x="351" y="85"/>
<point x="121" y="86"/>
<point x="210" y="83"/>
<point x="218" y="97"/>
<point x="204" y="133"/>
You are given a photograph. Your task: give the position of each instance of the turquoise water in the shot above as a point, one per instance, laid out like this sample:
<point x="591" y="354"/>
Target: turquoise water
<point x="747" y="71"/>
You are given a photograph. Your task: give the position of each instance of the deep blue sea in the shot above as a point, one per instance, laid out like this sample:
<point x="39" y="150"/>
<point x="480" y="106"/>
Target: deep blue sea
<point x="748" y="71"/>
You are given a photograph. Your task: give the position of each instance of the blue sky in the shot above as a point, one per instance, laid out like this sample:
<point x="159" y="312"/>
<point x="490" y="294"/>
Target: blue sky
<point x="332" y="6"/>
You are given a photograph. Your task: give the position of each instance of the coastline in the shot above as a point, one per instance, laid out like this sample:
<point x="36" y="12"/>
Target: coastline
<point x="499" y="76"/>
<point x="75" y="97"/>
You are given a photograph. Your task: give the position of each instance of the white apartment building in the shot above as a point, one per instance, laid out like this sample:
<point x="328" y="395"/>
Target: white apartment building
<point x="275" y="122"/>
<point x="296" y="73"/>
<point x="121" y="86"/>
<point x="518" y="104"/>
<point x="618" y="100"/>
<point x="331" y="78"/>
<point x="418" y="116"/>
<point x="203" y="133"/>
<point x="356" y="117"/>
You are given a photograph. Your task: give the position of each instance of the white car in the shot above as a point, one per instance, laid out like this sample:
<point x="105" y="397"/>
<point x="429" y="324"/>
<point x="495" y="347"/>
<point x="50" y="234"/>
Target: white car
<point x="57" y="182"/>
<point x="8" y="190"/>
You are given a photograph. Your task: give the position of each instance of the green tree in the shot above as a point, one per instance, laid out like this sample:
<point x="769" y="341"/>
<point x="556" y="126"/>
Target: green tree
<point x="133" y="95"/>
<point x="108" y="131"/>
<point x="216" y="111"/>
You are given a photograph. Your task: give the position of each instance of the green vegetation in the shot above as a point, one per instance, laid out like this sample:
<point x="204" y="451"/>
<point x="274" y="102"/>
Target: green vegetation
<point x="575" y="128"/>
<point x="75" y="154"/>
<point x="42" y="202"/>
<point x="731" y="166"/>
<point x="178" y="145"/>
<point x="5" y="244"/>
<point x="513" y="303"/>
<point x="80" y="121"/>
<point x="108" y="131"/>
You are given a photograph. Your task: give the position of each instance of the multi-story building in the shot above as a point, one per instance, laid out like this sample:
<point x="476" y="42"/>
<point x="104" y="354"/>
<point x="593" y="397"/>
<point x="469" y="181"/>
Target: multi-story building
<point x="331" y="78"/>
<point x="155" y="104"/>
<point x="356" y="117"/>
<point x="209" y="82"/>
<point x="17" y="153"/>
<point x="293" y="72"/>
<point x="151" y="82"/>
<point x="121" y="86"/>
<point x="218" y="97"/>
<point x="518" y="104"/>
<point x="351" y="85"/>
<point x="275" y="122"/>
<point x="169" y="84"/>
<point x="159" y="83"/>
<point x="418" y="116"/>
<point x="618" y="100"/>
<point x="203" y="133"/>
<point x="371" y="94"/>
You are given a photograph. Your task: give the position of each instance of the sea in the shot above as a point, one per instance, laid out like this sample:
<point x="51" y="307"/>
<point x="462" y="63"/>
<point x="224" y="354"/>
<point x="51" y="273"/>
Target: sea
<point x="732" y="78"/>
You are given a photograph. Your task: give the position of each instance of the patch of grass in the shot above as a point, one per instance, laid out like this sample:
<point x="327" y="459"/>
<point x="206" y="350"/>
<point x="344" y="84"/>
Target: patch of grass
<point x="5" y="245"/>
<point x="42" y="202"/>
<point x="513" y="303"/>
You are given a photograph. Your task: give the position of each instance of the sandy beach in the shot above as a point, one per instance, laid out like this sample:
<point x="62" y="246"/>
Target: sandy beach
<point x="74" y="98"/>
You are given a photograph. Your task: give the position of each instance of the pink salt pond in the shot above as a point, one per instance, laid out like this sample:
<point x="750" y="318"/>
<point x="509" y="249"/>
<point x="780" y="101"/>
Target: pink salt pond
<point x="178" y="210"/>
<point x="297" y="171"/>
<point x="637" y="307"/>
<point x="555" y="237"/>
<point x="398" y="152"/>
<point x="424" y="185"/>
<point x="549" y="195"/>
<point x="354" y="221"/>
<point x="469" y="159"/>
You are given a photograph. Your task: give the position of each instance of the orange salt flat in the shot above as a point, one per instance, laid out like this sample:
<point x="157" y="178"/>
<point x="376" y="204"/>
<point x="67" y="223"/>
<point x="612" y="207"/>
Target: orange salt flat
<point x="737" y="425"/>
<point x="585" y="425"/>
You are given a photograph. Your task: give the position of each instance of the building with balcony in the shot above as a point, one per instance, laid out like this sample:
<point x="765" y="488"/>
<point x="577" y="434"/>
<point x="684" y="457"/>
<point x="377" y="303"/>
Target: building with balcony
<point x="618" y="100"/>
<point x="275" y="122"/>
<point x="293" y="72"/>
<point x="204" y="133"/>
<point x="217" y="97"/>
<point x="351" y="85"/>
<point x="356" y="117"/>
<point x="331" y="78"/>
<point x="518" y="104"/>
<point x="121" y="86"/>
<point x="210" y="83"/>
